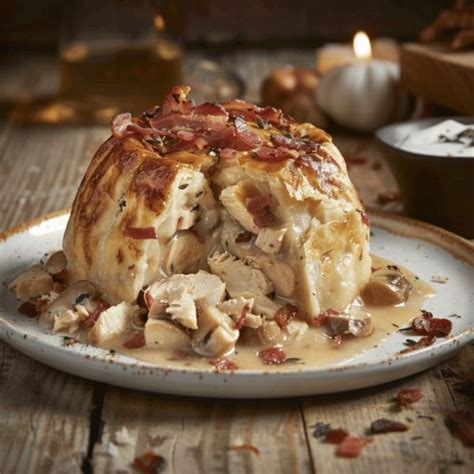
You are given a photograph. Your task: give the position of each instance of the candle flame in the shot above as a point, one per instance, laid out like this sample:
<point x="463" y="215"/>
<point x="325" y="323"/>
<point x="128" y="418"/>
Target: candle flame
<point x="362" y="47"/>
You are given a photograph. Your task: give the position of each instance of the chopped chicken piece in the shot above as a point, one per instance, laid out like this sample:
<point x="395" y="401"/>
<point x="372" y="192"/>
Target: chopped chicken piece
<point x="264" y="305"/>
<point x="295" y="330"/>
<point x="280" y="274"/>
<point x="177" y="294"/>
<point x="183" y="252"/>
<point x="216" y="334"/>
<point x="240" y="279"/>
<point x="233" y="199"/>
<point x="112" y="323"/>
<point x="70" y="320"/>
<point x="163" y="334"/>
<point x="183" y="310"/>
<point x="269" y="239"/>
<point x="32" y="283"/>
<point x="234" y="308"/>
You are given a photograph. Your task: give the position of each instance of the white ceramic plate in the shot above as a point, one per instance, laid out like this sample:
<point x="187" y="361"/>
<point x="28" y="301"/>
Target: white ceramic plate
<point x="424" y="249"/>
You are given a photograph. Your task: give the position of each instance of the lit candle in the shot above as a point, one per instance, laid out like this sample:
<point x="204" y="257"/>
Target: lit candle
<point x="335" y="55"/>
<point x="364" y="93"/>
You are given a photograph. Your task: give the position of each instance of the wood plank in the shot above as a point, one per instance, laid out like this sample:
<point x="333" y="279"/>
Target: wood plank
<point x="427" y="446"/>
<point x="44" y="415"/>
<point x="195" y="436"/>
<point x="439" y="75"/>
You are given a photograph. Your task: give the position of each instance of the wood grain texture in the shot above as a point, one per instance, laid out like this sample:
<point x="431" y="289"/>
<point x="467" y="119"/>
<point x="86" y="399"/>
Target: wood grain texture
<point x="439" y="75"/>
<point x="202" y="436"/>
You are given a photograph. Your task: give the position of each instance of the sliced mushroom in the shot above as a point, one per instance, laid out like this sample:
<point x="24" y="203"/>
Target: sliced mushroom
<point x="32" y="283"/>
<point x="163" y="334"/>
<point x="358" y="323"/>
<point x="216" y="334"/>
<point x="75" y="294"/>
<point x="386" y="287"/>
<point x="268" y="334"/>
<point x="56" y="263"/>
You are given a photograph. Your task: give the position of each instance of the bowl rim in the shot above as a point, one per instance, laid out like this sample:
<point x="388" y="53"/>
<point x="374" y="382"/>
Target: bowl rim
<point x="381" y="138"/>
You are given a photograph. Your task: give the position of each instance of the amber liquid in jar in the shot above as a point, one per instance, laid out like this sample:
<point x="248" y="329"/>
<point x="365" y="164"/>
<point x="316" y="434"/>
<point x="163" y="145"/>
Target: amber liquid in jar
<point x="101" y="79"/>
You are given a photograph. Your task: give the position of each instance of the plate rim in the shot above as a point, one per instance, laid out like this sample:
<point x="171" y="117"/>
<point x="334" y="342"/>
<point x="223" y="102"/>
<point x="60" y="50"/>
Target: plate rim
<point x="463" y="250"/>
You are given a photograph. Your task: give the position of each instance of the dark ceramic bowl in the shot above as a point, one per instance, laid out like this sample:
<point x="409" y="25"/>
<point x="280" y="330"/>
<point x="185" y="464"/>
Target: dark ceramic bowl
<point x="437" y="189"/>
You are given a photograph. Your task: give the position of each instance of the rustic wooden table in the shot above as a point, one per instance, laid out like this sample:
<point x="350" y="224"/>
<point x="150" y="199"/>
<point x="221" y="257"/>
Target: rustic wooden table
<point x="52" y="422"/>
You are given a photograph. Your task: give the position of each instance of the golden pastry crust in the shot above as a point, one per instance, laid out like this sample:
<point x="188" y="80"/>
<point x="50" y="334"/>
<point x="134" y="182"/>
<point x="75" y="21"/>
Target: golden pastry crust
<point x="145" y="199"/>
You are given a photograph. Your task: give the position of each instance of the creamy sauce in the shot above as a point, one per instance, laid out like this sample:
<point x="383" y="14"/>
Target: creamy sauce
<point x="313" y="347"/>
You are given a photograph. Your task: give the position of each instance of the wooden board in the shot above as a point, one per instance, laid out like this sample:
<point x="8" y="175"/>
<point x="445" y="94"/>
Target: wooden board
<point x="439" y="75"/>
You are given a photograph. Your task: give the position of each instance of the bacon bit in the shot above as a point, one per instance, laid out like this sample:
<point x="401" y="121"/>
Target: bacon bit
<point x="245" y="138"/>
<point x="272" y="356"/>
<point x="323" y="317"/>
<point x="94" y="316"/>
<point x="249" y="447"/>
<point x="272" y="155"/>
<point x="140" y="233"/>
<point x="120" y="123"/>
<point x="387" y="426"/>
<point x="222" y="363"/>
<point x="243" y="237"/>
<point x="259" y="207"/>
<point x="175" y="101"/>
<point x="426" y="325"/>
<point x="28" y="309"/>
<point x="461" y="424"/>
<point x="251" y="112"/>
<point x="136" y="341"/>
<point x="286" y="314"/>
<point x="336" y="341"/>
<point x="336" y="436"/>
<point x="364" y="216"/>
<point x="425" y="341"/>
<point x="227" y="153"/>
<point x="408" y="396"/>
<point x="210" y="108"/>
<point x="297" y="144"/>
<point x="240" y="322"/>
<point x="150" y="463"/>
<point x="351" y="447"/>
<point x="388" y="196"/>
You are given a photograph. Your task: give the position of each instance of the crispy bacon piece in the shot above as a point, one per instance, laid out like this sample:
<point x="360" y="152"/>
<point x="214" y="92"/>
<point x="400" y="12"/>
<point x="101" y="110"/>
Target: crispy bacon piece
<point x="41" y="303"/>
<point x="150" y="463"/>
<point x="176" y="121"/>
<point x="461" y="424"/>
<point x="259" y="207"/>
<point x="210" y="108"/>
<point x="422" y="342"/>
<point x="285" y="315"/>
<point x="387" y="426"/>
<point x="28" y="308"/>
<point x="176" y="101"/>
<point x="227" y="154"/>
<point x="136" y="341"/>
<point x="427" y="325"/>
<point x="240" y="322"/>
<point x="323" y="317"/>
<point x="245" y="138"/>
<point x="408" y="396"/>
<point x="272" y="155"/>
<point x="351" y="447"/>
<point x="252" y="112"/>
<point x="140" y="233"/>
<point x="336" y="436"/>
<point x="297" y="144"/>
<point x="222" y="363"/>
<point x="272" y="356"/>
<point x="94" y="316"/>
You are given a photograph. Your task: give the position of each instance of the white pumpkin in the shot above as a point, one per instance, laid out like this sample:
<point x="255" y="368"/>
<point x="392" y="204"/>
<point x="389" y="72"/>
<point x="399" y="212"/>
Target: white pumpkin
<point x="363" y="95"/>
